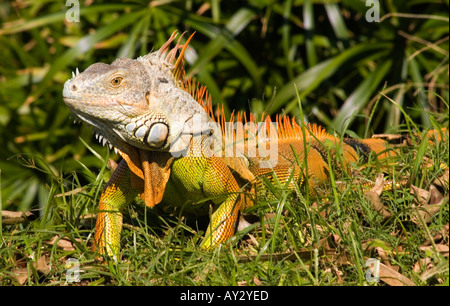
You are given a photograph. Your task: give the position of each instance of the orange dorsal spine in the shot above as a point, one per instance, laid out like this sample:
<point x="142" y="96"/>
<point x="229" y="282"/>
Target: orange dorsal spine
<point x="287" y="128"/>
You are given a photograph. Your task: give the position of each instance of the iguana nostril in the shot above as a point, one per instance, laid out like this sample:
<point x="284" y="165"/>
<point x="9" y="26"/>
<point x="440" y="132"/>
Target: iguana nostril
<point x="74" y="87"/>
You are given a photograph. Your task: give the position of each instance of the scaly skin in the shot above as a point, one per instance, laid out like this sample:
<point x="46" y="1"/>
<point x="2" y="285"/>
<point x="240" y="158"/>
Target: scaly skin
<point x="158" y="121"/>
<point x="129" y="104"/>
<point x="115" y="197"/>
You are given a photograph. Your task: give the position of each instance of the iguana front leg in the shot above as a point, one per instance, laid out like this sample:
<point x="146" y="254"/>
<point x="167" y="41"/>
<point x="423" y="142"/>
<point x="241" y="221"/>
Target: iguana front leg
<point x="118" y="193"/>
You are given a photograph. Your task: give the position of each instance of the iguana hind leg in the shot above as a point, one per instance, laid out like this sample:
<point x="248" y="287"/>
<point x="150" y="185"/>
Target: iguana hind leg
<point x="223" y="223"/>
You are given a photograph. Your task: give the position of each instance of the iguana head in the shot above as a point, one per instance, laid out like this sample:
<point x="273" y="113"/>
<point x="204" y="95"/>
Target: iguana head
<point x="129" y="101"/>
<point x="145" y="109"/>
<point x="114" y="100"/>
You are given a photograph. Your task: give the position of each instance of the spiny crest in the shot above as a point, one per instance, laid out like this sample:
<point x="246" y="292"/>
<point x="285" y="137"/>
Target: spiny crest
<point x="170" y="56"/>
<point x="288" y="128"/>
<point x="198" y="91"/>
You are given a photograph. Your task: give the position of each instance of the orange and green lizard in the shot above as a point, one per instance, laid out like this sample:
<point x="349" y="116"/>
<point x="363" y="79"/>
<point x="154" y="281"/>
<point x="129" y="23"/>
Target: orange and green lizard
<point x="175" y="149"/>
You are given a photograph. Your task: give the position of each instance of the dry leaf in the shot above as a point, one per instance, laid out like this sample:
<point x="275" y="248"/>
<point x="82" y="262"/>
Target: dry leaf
<point x="14" y="217"/>
<point x="337" y="239"/>
<point x="21" y="275"/>
<point x="422" y="195"/>
<point x="437" y="237"/>
<point x="432" y="271"/>
<point x="427" y="265"/>
<point x="392" y="138"/>
<point x="441" y="248"/>
<point x="392" y="277"/>
<point x="373" y="195"/>
<point x="442" y="181"/>
<point x="421" y="264"/>
<point x="425" y="197"/>
<point x="257" y="281"/>
<point x="64" y="244"/>
<point x="430" y="203"/>
<point x="42" y="264"/>
<point x="435" y="196"/>
<point x="383" y="255"/>
<point x="379" y="184"/>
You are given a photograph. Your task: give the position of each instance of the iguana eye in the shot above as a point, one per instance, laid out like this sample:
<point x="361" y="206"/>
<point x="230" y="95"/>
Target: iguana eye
<point x="116" y="81"/>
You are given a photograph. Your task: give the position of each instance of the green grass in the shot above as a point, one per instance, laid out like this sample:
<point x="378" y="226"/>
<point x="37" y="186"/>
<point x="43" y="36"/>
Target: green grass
<point x="285" y="247"/>
<point x="351" y="76"/>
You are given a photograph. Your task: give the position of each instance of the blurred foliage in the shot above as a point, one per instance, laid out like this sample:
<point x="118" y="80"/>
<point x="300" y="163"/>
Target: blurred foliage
<point x="251" y="55"/>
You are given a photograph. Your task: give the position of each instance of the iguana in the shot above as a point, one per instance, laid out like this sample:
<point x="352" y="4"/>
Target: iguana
<point x="175" y="149"/>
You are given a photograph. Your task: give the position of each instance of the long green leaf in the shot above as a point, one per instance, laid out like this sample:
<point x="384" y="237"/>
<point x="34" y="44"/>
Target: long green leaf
<point x="286" y="39"/>
<point x="37" y="22"/>
<point x="226" y="39"/>
<point x="362" y="94"/>
<point x="422" y="98"/>
<point x="313" y="77"/>
<point x="337" y="21"/>
<point x="308" y="16"/>
<point x="85" y="44"/>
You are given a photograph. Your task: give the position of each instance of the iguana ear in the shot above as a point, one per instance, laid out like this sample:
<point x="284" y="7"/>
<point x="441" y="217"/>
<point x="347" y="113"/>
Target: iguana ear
<point x="156" y="167"/>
